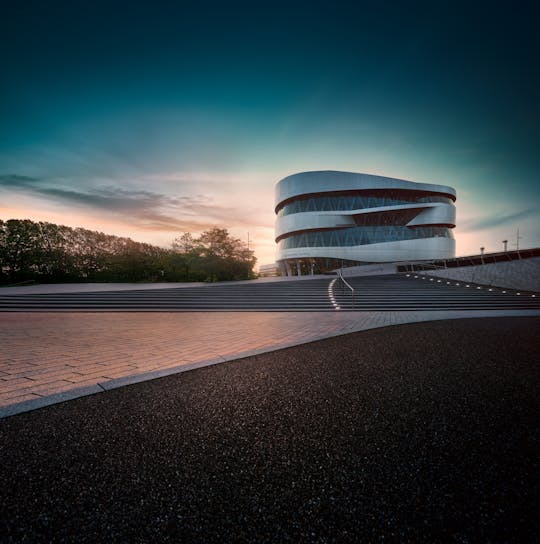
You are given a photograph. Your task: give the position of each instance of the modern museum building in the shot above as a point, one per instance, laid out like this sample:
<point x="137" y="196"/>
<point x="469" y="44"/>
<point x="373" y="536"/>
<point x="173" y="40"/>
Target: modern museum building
<point x="329" y="219"/>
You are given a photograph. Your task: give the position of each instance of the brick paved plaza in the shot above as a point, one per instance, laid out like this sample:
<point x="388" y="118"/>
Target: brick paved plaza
<point x="49" y="357"/>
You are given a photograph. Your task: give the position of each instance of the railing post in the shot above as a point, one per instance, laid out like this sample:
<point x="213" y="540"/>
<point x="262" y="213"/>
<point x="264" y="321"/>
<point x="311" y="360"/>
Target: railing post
<point x="345" y="283"/>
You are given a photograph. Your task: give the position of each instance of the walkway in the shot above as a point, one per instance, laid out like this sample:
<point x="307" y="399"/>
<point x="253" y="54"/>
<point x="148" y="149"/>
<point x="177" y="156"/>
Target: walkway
<point x="50" y="357"/>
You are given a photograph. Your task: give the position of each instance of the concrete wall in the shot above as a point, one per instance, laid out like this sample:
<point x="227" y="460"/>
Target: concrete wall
<point x="370" y="269"/>
<point x="420" y="249"/>
<point x="521" y="274"/>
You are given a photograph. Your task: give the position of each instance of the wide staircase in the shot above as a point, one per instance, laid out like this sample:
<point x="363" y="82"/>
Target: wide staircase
<point x="280" y="295"/>
<point x="371" y="293"/>
<point x="420" y="292"/>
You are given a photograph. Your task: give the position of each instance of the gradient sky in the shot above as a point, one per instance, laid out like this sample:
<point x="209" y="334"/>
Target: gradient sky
<point x="148" y="119"/>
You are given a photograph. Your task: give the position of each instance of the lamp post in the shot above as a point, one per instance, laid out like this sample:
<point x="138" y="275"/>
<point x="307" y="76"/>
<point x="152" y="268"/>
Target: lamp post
<point x="248" y="268"/>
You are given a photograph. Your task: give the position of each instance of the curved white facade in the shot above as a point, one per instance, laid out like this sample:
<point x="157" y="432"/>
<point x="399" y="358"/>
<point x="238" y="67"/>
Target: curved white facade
<point x="326" y="217"/>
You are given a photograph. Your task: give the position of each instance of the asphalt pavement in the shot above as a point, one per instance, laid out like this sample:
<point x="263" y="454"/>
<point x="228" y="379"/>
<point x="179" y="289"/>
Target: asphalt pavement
<point x="425" y="432"/>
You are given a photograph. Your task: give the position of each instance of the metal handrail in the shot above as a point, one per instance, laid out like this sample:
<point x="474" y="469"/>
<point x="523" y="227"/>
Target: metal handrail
<point x="345" y="282"/>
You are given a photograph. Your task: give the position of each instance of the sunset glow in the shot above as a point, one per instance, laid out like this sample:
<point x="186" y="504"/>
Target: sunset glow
<point x="189" y="119"/>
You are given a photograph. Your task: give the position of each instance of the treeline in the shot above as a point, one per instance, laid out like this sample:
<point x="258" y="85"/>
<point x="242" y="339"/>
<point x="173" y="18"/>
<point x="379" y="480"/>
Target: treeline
<point x="45" y="252"/>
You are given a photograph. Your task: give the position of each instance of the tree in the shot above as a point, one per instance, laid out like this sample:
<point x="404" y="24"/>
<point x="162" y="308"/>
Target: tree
<point x="47" y="252"/>
<point x="225" y="257"/>
<point x="188" y="249"/>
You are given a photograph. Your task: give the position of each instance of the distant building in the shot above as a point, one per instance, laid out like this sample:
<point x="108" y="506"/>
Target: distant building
<point x="330" y="219"/>
<point x="268" y="270"/>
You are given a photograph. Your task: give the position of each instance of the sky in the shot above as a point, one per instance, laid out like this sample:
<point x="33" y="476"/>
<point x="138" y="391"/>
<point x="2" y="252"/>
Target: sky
<point x="150" y="119"/>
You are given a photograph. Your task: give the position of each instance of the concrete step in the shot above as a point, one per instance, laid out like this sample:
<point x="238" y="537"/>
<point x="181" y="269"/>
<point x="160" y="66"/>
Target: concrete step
<point x="372" y="293"/>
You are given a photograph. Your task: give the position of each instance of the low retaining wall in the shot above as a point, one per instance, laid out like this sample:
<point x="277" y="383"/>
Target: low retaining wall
<point x="520" y="274"/>
<point x="369" y="269"/>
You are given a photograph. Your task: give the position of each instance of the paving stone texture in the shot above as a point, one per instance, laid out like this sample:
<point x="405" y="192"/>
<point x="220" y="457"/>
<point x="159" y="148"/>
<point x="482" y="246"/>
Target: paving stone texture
<point x="51" y="357"/>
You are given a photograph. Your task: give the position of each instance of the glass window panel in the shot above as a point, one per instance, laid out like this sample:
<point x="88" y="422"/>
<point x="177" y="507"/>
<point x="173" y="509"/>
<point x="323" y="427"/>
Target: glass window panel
<point x="360" y="201"/>
<point x="356" y="236"/>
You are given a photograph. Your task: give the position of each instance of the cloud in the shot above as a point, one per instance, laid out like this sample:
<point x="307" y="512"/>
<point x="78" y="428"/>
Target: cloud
<point x="13" y="180"/>
<point x="148" y="209"/>
<point x="492" y="221"/>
